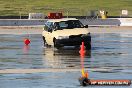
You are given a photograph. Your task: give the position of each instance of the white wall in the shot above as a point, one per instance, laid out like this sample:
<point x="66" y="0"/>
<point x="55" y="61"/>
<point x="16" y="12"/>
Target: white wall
<point x="125" y="21"/>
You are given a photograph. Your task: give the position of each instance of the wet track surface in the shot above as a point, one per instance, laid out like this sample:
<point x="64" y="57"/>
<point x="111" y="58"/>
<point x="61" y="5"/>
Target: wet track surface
<point x="110" y="58"/>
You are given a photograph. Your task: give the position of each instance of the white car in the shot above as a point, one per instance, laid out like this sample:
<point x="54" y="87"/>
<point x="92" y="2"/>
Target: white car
<point x="66" y="32"/>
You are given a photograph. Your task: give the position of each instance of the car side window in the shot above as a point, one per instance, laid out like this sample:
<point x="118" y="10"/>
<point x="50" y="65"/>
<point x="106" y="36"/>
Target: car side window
<point x="56" y="26"/>
<point x="63" y="24"/>
<point x="48" y="26"/>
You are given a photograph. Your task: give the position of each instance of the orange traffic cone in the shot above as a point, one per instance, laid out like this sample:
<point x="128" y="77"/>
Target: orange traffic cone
<point x="82" y="50"/>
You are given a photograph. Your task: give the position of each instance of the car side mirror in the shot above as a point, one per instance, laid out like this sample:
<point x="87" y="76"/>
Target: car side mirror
<point x="50" y="30"/>
<point x="86" y="26"/>
<point x="56" y="28"/>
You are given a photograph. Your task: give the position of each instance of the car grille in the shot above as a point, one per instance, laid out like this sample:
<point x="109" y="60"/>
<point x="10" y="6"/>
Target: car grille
<point x="75" y="36"/>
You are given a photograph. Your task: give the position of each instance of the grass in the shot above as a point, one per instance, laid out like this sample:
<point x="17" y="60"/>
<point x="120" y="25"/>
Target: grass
<point x="70" y="7"/>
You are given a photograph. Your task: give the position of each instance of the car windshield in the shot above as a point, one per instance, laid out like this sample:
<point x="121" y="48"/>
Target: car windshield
<point x="70" y="24"/>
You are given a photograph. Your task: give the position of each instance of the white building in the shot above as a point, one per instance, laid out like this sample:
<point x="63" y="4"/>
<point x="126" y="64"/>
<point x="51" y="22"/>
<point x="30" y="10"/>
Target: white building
<point x="36" y="16"/>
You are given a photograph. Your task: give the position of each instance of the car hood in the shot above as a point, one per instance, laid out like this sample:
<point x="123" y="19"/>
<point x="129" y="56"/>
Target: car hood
<point x="68" y="32"/>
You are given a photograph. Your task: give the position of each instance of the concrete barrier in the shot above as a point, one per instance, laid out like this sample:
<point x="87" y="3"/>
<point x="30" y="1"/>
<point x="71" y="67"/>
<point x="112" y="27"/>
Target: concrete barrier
<point x="21" y="22"/>
<point x="90" y="22"/>
<point x="101" y="22"/>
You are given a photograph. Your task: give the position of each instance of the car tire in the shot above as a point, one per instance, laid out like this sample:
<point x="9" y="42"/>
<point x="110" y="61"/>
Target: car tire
<point x="56" y="45"/>
<point x="88" y="46"/>
<point x="45" y="43"/>
<point x="77" y="47"/>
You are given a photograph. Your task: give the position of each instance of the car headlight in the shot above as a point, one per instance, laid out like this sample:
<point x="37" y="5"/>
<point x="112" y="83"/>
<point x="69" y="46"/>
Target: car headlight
<point x="63" y="37"/>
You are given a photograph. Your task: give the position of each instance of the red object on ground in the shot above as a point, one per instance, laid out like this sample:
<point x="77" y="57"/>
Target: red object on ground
<point x="82" y="54"/>
<point x="82" y="50"/>
<point x="26" y="41"/>
<point x="55" y="15"/>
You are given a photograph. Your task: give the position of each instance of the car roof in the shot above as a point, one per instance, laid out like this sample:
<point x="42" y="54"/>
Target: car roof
<point x="63" y="19"/>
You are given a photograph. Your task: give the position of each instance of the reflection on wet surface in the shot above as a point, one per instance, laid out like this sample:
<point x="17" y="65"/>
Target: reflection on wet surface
<point x="64" y="58"/>
<point x="110" y="57"/>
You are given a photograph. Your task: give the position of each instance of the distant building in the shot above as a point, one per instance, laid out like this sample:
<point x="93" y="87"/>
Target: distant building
<point x="36" y="16"/>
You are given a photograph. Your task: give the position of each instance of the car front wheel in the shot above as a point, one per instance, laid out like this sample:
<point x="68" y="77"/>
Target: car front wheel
<point x="45" y="43"/>
<point x="88" y="46"/>
<point x="56" y="45"/>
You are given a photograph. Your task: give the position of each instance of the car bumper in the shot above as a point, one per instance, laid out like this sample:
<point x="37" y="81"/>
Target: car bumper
<point x="74" y="41"/>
